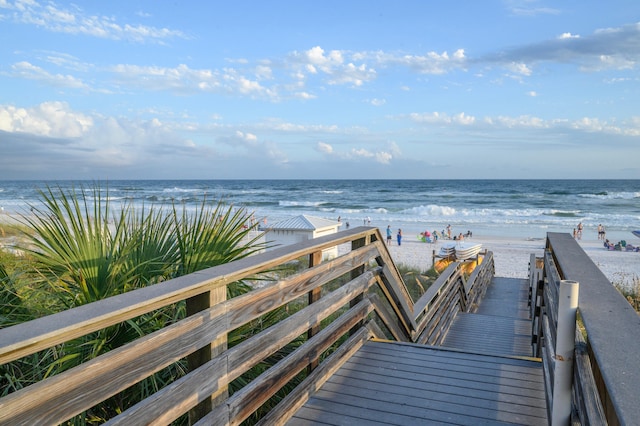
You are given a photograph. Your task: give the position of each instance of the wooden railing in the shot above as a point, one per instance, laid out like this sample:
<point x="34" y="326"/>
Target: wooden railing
<point x="450" y="294"/>
<point x="336" y="304"/>
<point x="606" y="378"/>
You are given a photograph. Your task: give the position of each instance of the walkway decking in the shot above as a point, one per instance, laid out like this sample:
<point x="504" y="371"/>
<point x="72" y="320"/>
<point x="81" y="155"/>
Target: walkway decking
<point x="501" y="324"/>
<point x="481" y="374"/>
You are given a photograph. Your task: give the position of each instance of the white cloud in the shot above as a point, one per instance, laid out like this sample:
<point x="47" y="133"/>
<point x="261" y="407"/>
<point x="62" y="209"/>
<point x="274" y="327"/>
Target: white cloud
<point x="304" y="95"/>
<point x="361" y="152"/>
<point x="50" y="119"/>
<point x="523" y="121"/>
<point x="430" y="63"/>
<point x="29" y="71"/>
<point x="384" y="157"/>
<point x="443" y="118"/>
<point x="183" y="79"/>
<point x="564" y="36"/>
<point x="519" y="68"/>
<point x="332" y="65"/>
<point x="381" y="157"/>
<point x="248" y="138"/>
<point x="325" y="148"/>
<point x="75" y="21"/>
<point x="316" y="58"/>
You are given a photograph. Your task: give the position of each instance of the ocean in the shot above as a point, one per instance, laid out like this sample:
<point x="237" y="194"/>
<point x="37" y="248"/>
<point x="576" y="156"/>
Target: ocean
<point x="509" y="208"/>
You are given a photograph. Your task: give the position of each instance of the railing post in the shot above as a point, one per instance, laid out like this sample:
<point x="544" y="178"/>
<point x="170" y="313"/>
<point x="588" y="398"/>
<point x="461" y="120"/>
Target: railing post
<point x="356" y="272"/>
<point x="564" y="353"/>
<point x="314" y="295"/>
<point x="203" y="355"/>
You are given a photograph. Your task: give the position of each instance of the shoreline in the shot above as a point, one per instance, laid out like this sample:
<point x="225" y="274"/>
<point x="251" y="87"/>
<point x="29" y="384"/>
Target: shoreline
<point x="511" y="253"/>
<point x="511" y="256"/>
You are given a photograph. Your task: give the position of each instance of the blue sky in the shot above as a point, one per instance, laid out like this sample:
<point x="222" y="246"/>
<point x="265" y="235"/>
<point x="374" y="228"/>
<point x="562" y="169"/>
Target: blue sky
<point x="331" y="89"/>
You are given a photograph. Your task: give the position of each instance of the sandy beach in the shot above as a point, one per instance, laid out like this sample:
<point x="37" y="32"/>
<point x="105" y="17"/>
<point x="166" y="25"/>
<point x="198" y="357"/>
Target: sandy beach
<point x="511" y="256"/>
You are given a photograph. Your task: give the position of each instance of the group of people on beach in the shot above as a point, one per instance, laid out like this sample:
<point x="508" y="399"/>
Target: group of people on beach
<point x="426" y="236"/>
<point x="398" y="235"/>
<point x="577" y="232"/>
<point x="620" y="246"/>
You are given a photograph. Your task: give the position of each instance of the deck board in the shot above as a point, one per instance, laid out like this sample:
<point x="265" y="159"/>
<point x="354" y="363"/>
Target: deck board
<point x="501" y="323"/>
<point x="404" y="384"/>
<point x="483" y="374"/>
<point x="490" y="334"/>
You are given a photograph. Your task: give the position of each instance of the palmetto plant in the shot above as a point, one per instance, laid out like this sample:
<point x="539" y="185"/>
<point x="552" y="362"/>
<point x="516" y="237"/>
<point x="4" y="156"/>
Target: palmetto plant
<point x="75" y="251"/>
<point x="84" y="250"/>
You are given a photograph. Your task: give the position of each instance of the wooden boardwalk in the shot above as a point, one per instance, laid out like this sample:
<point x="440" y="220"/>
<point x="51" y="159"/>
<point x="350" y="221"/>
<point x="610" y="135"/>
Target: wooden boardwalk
<point x="481" y="375"/>
<point x="501" y="325"/>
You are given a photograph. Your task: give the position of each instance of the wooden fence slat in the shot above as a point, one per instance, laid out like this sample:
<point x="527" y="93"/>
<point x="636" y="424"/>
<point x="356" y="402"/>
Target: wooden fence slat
<point x="290" y="403"/>
<point x="387" y="318"/>
<point x="252" y="396"/>
<point x="244" y="355"/>
<point x="59" y="395"/>
<point x="42" y="333"/>
<point x="585" y="393"/>
<point x="62" y="396"/>
<point x="201" y="337"/>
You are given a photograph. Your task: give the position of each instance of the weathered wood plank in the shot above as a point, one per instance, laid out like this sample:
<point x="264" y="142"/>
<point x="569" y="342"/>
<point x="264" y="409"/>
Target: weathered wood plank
<point x="415" y="390"/>
<point x="69" y="393"/>
<point x="252" y="396"/>
<point x="402" y="414"/>
<point x="436" y="289"/>
<point x="614" y="338"/>
<point x="65" y="395"/>
<point x="585" y="391"/>
<point x="423" y="404"/>
<point x="490" y="334"/>
<point x="445" y="393"/>
<point x="293" y="401"/>
<point x="33" y="336"/>
<point x="205" y="353"/>
<point x="388" y="319"/>
<point x="524" y="373"/>
<point x="241" y="357"/>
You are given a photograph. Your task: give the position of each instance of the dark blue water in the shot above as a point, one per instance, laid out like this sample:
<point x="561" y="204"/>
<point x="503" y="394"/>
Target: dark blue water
<point x="519" y="208"/>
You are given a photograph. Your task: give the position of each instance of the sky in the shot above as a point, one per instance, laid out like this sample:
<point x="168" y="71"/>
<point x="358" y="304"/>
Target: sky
<point x="370" y="89"/>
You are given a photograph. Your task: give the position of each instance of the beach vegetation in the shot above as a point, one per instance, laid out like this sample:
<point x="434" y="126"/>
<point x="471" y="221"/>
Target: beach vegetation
<point x="416" y="281"/>
<point x="631" y="292"/>
<point x="79" y="248"/>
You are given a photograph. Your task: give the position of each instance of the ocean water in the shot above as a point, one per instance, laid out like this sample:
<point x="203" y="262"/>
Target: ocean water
<point x="510" y="208"/>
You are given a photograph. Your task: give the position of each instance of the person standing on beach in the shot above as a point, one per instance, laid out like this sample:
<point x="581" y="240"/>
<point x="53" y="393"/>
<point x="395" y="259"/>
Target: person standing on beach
<point x="388" y="235"/>
<point x="399" y="236"/>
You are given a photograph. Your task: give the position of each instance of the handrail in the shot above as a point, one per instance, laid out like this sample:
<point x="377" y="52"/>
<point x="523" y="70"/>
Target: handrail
<point x="373" y="303"/>
<point x="203" y="391"/>
<point x="435" y="311"/>
<point x="612" y="337"/>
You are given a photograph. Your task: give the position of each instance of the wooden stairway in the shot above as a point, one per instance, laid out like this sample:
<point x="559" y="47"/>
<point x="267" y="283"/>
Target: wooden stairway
<point x="480" y="375"/>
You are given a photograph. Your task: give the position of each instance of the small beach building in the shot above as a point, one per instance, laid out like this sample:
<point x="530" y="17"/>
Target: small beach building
<point x="303" y="228"/>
